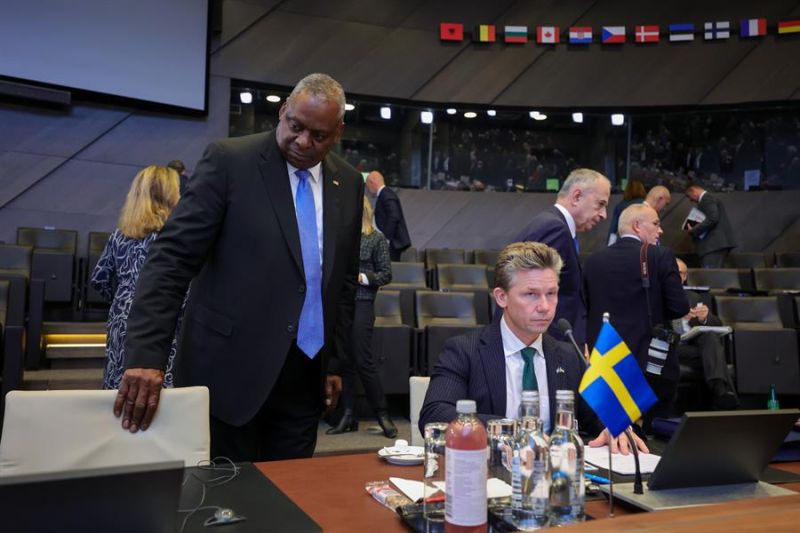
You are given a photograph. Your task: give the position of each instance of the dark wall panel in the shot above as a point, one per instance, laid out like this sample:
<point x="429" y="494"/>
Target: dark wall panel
<point x="236" y="17"/>
<point x="18" y="171"/>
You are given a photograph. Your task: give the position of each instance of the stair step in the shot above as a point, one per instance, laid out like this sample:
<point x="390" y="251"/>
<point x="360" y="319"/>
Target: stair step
<point x="63" y="379"/>
<point x="67" y="351"/>
<point x="73" y="328"/>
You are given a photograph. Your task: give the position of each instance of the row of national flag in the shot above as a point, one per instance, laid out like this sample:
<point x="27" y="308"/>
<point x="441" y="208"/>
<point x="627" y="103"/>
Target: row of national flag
<point x="710" y="31"/>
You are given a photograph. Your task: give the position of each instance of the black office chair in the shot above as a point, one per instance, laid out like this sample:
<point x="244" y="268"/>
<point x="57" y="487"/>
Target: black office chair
<point x="765" y="349"/>
<point x="721" y="280"/>
<point x="15" y="267"/>
<point x="451" y="256"/>
<point x="471" y="278"/>
<point x="393" y="343"/>
<point x="787" y="259"/>
<point x="53" y="260"/>
<point x="485" y="257"/>
<point x="776" y="280"/>
<point x="407" y="278"/>
<point x="11" y="353"/>
<point x="441" y="315"/>
<point x="410" y="255"/>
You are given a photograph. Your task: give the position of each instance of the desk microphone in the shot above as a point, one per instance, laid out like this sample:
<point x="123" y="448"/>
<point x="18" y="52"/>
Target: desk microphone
<point x="566" y="328"/>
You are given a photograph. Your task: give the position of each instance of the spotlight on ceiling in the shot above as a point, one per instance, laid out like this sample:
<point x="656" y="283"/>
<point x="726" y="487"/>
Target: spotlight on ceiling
<point x="349" y="107"/>
<point x="246" y="97"/>
<point x="577" y="118"/>
<point x="491" y="112"/>
<point x="274" y="98"/>
<point x="470" y="114"/>
<point x="451" y="111"/>
<point x="617" y="119"/>
<point x="535" y="115"/>
<point x="426" y="117"/>
<point x="386" y="113"/>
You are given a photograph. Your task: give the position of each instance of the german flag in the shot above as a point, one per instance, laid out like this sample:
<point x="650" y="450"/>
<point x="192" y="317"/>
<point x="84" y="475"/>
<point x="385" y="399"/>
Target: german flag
<point x="785" y="26"/>
<point x="484" y="33"/>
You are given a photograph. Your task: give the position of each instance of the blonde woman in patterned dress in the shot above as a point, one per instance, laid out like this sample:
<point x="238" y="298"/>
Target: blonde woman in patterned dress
<point x="152" y="197"/>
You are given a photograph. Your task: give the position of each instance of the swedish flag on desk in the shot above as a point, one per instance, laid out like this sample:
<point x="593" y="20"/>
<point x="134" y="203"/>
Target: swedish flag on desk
<point x="613" y="385"/>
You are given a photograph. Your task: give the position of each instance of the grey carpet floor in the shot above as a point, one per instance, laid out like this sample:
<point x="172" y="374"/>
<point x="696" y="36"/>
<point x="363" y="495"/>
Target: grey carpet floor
<point x="368" y="438"/>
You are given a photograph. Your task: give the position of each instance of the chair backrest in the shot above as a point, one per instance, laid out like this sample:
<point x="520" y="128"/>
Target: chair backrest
<point x="58" y="430"/>
<point x="445" y="309"/>
<point x="437" y="256"/>
<point x="720" y="278"/>
<point x="787" y="259"/>
<point x="485" y="257"/>
<point x="16" y="260"/>
<point x="751" y="311"/>
<point x="410" y="255"/>
<point x="746" y="260"/>
<point x="458" y="277"/>
<point x="5" y="293"/>
<point x="773" y="279"/>
<point x="97" y="243"/>
<point x="61" y="240"/>
<point x="408" y="275"/>
<point x="387" y="308"/>
<point x="418" y="387"/>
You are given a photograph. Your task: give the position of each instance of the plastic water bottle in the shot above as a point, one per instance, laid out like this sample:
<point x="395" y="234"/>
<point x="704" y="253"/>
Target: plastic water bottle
<point x="530" y="473"/>
<point x="465" y="472"/>
<point x="772" y="402"/>
<point x="566" y="458"/>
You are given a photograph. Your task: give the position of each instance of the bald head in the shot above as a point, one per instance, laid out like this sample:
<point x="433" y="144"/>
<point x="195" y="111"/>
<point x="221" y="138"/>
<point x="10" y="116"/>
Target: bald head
<point x="375" y="182"/>
<point x="640" y="220"/>
<point x="683" y="270"/>
<point x="658" y="198"/>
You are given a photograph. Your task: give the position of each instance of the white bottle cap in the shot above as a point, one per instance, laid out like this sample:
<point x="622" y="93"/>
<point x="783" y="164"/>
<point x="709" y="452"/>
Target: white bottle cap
<point x="530" y="395"/>
<point x="466" y="406"/>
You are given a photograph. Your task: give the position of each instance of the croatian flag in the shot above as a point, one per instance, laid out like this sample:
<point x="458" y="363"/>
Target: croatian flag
<point x="647" y="34"/>
<point x="681" y="32"/>
<point x="547" y="34"/>
<point x="613" y="34"/>
<point x="753" y="28"/>
<point x="580" y="35"/>
<point x="717" y="30"/>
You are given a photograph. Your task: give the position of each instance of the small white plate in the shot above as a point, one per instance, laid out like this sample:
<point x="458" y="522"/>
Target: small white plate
<point x="411" y="455"/>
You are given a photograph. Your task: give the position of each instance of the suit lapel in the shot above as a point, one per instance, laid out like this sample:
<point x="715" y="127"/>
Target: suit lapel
<point x="331" y="195"/>
<point x="555" y="379"/>
<point x="493" y="360"/>
<point x="276" y="180"/>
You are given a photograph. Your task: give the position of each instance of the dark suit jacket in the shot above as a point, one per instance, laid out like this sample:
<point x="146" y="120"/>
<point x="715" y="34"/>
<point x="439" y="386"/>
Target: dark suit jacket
<point x="473" y="366"/>
<point x="235" y="232"/>
<point x="614" y="285"/>
<point x="390" y="220"/>
<point x="711" y="320"/>
<point x="717" y="228"/>
<point x="550" y="227"/>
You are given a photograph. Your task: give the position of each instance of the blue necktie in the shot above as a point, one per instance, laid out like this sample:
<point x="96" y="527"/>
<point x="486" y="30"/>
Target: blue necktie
<point x="577" y="248"/>
<point x="310" y="330"/>
<point x="528" y="371"/>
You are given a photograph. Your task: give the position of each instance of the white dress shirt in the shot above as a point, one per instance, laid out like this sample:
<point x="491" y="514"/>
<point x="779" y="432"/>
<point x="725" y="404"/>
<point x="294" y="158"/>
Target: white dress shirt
<point x="570" y="221"/>
<point x="316" y="187"/>
<point x="512" y="349"/>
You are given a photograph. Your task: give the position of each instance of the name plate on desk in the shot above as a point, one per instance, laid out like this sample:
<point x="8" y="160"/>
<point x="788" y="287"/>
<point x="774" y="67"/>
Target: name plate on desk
<point x="658" y="500"/>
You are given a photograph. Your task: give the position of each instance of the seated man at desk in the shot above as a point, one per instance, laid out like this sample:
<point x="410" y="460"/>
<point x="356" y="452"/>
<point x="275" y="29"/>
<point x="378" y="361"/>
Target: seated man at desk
<point x="493" y="364"/>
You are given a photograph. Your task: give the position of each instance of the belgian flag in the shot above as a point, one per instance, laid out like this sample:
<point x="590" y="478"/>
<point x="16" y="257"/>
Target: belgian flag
<point x="485" y="33"/>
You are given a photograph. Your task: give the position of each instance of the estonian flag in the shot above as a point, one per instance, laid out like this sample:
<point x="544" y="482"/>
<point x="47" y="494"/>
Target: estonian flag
<point x="681" y="32"/>
<point x="613" y="385"/>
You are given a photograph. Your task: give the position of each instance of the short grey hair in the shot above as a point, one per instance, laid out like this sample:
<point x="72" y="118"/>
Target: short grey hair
<point x="524" y="256"/>
<point x="631" y="214"/>
<point x="580" y="177"/>
<point x="324" y="87"/>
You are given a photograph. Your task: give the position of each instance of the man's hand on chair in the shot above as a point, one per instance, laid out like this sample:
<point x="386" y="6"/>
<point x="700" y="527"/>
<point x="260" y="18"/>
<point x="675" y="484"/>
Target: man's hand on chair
<point x="137" y="399"/>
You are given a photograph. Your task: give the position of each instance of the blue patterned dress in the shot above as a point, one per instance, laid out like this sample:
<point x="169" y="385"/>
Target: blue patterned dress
<point x="114" y="278"/>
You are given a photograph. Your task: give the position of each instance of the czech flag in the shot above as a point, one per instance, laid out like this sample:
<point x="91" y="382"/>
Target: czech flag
<point x="613" y="35"/>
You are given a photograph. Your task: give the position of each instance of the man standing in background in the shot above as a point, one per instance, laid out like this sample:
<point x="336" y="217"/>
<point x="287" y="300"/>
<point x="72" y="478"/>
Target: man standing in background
<point x="713" y="237"/>
<point x="580" y="205"/>
<point x="178" y="166"/>
<point x="658" y="198"/>
<point x="389" y="215"/>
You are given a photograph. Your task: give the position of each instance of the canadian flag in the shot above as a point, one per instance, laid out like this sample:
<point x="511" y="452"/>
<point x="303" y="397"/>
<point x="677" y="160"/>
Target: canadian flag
<point x="547" y="34"/>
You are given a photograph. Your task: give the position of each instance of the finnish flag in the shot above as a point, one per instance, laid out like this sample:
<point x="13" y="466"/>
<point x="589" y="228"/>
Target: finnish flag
<point x="717" y="30"/>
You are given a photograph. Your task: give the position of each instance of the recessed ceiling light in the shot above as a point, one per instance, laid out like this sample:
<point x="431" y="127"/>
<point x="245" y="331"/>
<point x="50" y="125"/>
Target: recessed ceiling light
<point x="246" y="97"/>
<point x="577" y="118"/>
<point x="470" y="114"/>
<point x="274" y="98"/>
<point x="491" y="112"/>
<point x="386" y="113"/>
<point x="349" y="107"/>
<point x="617" y="119"/>
<point x="426" y="117"/>
<point x="451" y="111"/>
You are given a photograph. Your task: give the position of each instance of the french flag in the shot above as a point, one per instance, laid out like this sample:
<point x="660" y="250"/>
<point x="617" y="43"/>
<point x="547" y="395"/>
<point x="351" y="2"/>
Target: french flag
<point x="613" y="34"/>
<point x="753" y="28"/>
<point x="580" y="35"/>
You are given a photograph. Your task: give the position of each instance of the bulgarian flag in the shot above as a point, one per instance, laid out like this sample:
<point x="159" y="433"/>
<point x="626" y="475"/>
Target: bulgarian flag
<point x="484" y="33"/>
<point x="789" y="26"/>
<point x="516" y="34"/>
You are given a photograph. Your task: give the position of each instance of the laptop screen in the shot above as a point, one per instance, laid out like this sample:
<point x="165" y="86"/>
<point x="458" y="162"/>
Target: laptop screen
<point x="721" y="447"/>
<point x="120" y="499"/>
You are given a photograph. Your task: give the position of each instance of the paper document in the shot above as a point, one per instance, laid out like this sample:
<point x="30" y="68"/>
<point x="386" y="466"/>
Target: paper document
<point x="694" y="218"/>
<point x="697" y="330"/>
<point x="623" y="464"/>
<point x="495" y="488"/>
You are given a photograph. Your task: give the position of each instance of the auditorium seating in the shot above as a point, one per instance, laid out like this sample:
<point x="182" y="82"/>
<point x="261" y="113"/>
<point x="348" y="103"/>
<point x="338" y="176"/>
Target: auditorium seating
<point x="746" y="260"/>
<point x="788" y="259"/>
<point x="466" y="278"/>
<point x="485" y="257"/>
<point x="442" y="315"/>
<point x="53" y="260"/>
<point x="90" y="297"/>
<point x="393" y="343"/>
<point x="435" y="256"/>
<point x="721" y="280"/>
<point x="411" y="255"/>
<point x="407" y="278"/>
<point x="10" y="346"/>
<point x="15" y="267"/>
<point x="765" y="350"/>
<point x="775" y="280"/>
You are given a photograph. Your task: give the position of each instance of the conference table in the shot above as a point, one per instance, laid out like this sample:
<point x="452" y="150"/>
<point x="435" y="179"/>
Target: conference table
<point x="331" y="491"/>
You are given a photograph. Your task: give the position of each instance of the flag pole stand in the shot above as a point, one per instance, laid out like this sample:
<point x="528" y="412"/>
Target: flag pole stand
<point x="610" y="482"/>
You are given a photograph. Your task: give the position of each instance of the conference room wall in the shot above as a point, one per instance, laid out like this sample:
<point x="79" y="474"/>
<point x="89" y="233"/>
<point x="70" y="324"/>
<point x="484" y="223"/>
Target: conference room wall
<point x="454" y="219"/>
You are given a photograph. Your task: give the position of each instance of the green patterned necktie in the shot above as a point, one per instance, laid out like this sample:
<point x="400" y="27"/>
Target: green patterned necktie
<point x="528" y="373"/>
